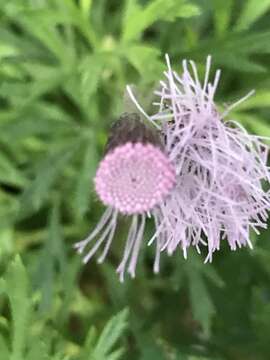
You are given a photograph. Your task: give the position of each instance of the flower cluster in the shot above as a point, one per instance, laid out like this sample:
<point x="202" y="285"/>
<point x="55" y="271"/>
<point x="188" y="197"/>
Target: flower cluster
<point x="197" y="174"/>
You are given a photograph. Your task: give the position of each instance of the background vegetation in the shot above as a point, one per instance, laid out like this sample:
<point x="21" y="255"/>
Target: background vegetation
<point x="64" y="65"/>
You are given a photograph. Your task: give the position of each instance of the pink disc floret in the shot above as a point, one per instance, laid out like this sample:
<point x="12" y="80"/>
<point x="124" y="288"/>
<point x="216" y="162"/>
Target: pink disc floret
<point x="134" y="177"/>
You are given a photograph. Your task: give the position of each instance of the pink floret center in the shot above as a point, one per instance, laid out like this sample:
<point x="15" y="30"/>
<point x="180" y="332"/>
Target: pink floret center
<point x="133" y="178"/>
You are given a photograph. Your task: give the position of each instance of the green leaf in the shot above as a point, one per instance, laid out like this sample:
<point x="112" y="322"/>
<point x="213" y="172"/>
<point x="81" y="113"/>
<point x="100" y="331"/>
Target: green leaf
<point x="145" y="59"/>
<point x="23" y="46"/>
<point x="261" y="99"/>
<point x="9" y="174"/>
<point x="7" y="50"/>
<point x="55" y="237"/>
<point x="237" y="51"/>
<point x="86" y="6"/>
<point x="90" y="340"/>
<point x="202" y="306"/>
<point x="45" y="80"/>
<point x="48" y="35"/>
<point x="211" y="273"/>
<point x="85" y="179"/>
<point x="252" y="11"/>
<point x="45" y="177"/>
<point x="91" y="69"/>
<point x="6" y="241"/>
<point x="239" y="62"/>
<point x="50" y="122"/>
<point x="15" y="285"/>
<point x="109" y="337"/>
<point x="8" y="208"/>
<point x="222" y="15"/>
<point x="195" y="263"/>
<point x="68" y="13"/>
<point x="260" y="312"/>
<point x="138" y="18"/>
<point x="53" y="257"/>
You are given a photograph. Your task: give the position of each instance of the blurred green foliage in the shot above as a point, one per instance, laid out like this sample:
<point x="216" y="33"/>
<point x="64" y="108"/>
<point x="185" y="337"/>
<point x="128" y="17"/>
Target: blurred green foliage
<point x="64" y="65"/>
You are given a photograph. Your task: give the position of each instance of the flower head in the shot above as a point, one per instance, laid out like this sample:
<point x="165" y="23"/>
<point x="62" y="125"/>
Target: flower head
<point x="219" y="168"/>
<point x="133" y="178"/>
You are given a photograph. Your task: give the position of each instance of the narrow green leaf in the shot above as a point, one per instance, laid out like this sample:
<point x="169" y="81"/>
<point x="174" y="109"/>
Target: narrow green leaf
<point x="85" y="179"/>
<point x="211" y="273"/>
<point x="195" y="264"/>
<point x="7" y="50"/>
<point x="252" y="11"/>
<point x="145" y="59"/>
<point x="116" y="355"/>
<point x="8" y="207"/>
<point x="202" y="306"/>
<point x="91" y="338"/>
<point x="138" y="18"/>
<point x="55" y="237"/>
<point x="222" y="11"/>
<point x="85" y="6"/>
<point x="132" y="8"/>
<point x="46" y="124"/>
<point x="90" y="69"/>
<point x="9" y="174"/>
<point x="46" y="32"/>
<point x="16" y="288"/>
<point x="235" y="50"/>
<point x="6" y="241"/>
<point x="261" y="99"/>
<point x="109" y="337"/>
<point x="53" y="257"/>
<point x="239" y="62"/>
<point x="79" y="16"/>
<point x="26" y="93"/>
<point x="46" y="175"/>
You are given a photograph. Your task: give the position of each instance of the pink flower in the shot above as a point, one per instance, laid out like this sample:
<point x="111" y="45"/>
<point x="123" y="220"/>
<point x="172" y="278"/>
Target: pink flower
<point x="219" y="167"/>
<point x="134" y="177"/>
